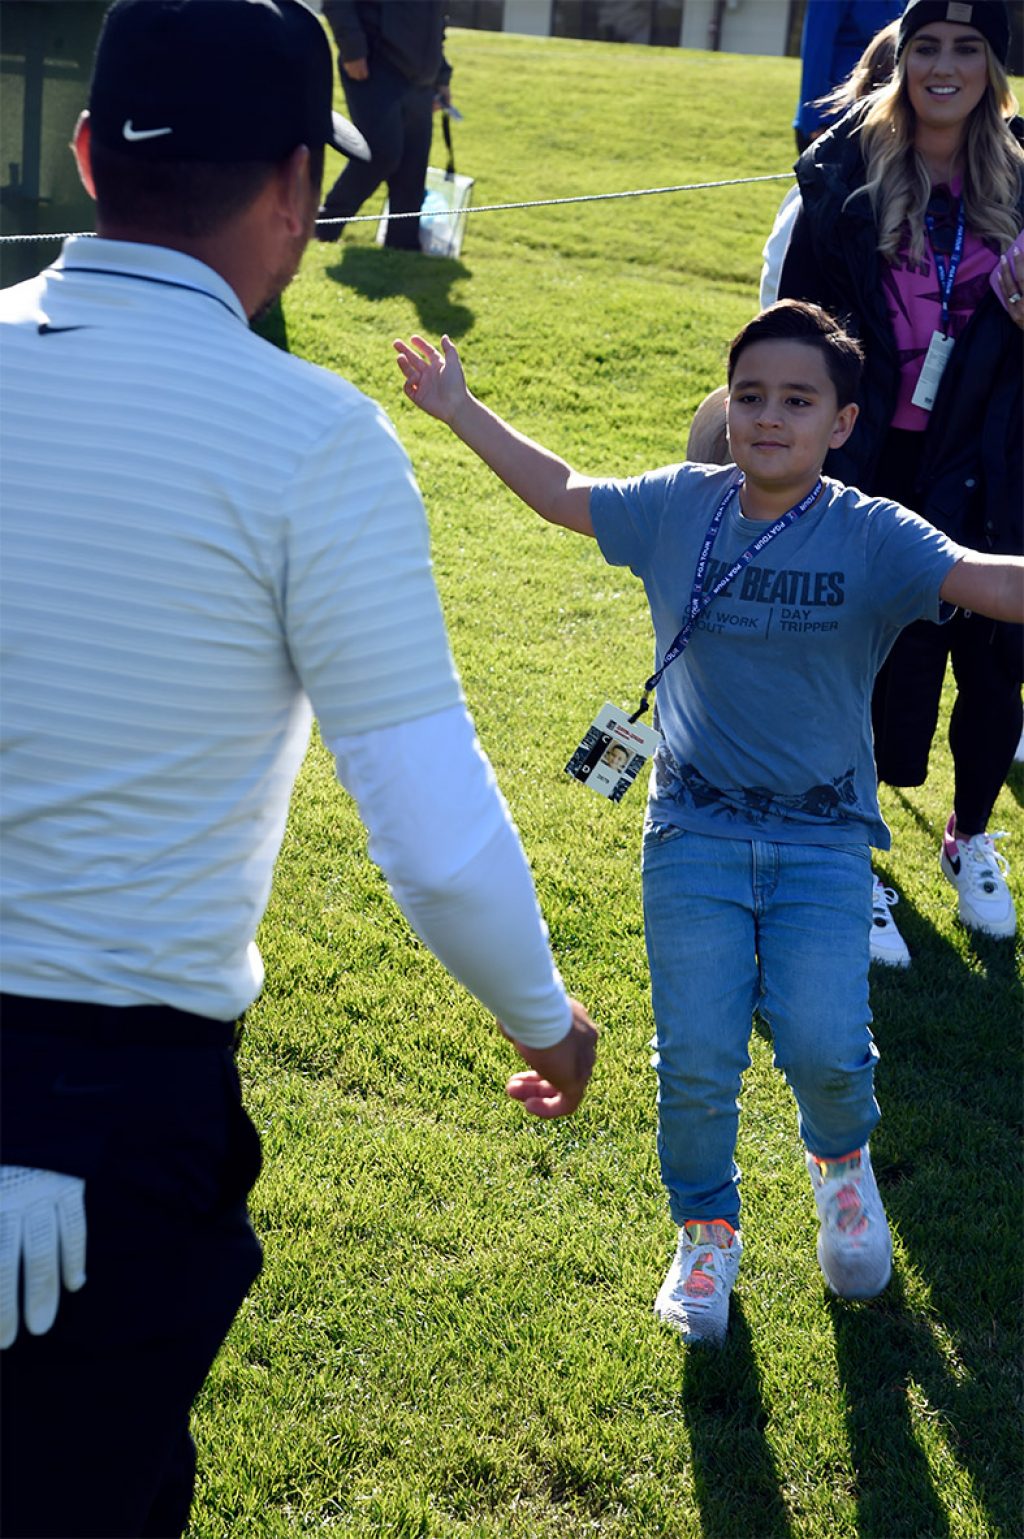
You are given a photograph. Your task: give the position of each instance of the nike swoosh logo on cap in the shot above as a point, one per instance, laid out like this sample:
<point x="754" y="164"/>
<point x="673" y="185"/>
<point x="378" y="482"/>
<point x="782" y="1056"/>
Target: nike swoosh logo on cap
<point x="134" y="134"/>
<point x="46" y="330"/>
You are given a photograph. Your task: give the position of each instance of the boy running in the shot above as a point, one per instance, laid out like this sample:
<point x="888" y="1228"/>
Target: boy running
<point x="775" y="595"/>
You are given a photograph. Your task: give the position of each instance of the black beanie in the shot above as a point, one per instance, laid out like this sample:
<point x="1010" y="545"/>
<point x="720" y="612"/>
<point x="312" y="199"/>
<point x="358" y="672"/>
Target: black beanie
<point x="989" y="17"/>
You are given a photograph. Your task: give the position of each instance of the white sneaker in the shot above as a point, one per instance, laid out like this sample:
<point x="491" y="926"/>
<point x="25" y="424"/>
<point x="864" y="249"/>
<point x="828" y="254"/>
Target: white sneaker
<point x="854" y="1244"/>
<point x="978" y="872"/>
<point x="694" y="1298"/>
<point x="887" y="944"/>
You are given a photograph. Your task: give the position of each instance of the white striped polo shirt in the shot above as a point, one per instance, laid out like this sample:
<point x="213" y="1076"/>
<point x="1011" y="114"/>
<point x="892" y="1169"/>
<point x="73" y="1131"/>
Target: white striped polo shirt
<point x="201" y="536"/>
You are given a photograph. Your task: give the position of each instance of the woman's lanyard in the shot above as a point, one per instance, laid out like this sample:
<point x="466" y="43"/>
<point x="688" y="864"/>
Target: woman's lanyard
<point x="701" y="601"/>
<point x="947" y="273"/>
<point x="941" y="344"/>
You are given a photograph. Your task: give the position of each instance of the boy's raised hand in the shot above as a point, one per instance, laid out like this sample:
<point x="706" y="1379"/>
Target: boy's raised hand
<point x="433" y="380"/>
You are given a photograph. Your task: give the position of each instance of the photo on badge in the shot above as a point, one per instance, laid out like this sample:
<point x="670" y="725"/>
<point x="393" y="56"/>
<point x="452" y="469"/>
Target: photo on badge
<point x="612" y="753"/>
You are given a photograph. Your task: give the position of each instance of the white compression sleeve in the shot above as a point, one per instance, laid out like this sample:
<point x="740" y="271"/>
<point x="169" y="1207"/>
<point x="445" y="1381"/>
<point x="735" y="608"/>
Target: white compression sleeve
<point x="441" y="833"/>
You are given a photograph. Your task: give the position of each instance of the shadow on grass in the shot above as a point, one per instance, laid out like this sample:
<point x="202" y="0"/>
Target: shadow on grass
<point x="881" y="1349"/>
<point x="735" y="1476"/>
<point x="947" y="1159"/>
<point x="272" y="326"/>
<point x="378" y="273"/>
<point x="1014" y="784"/>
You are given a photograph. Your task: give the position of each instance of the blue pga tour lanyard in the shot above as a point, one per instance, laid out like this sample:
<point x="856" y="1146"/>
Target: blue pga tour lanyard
<point x="700" y="601"/>
<point x="947" y="275"/>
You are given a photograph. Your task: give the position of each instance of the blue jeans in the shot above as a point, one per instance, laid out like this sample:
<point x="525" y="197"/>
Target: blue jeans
<point x="738" y="925"/>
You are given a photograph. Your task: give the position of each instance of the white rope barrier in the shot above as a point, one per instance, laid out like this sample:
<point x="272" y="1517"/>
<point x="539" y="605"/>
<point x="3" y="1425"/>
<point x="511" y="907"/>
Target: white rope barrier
<point x="585" y="197"/>
<point x="494" y="208"/>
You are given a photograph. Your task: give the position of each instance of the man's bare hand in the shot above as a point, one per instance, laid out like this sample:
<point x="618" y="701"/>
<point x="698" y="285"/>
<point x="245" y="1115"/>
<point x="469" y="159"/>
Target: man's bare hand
<point x="356" y="69"/>
<point x="556" y="1080"/>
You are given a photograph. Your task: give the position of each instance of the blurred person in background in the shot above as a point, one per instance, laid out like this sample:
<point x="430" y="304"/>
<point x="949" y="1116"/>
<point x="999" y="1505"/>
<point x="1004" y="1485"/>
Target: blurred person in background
<point x="873" y="69"/>
<point x="835" y="34"/>
<point x="393" y="71"/>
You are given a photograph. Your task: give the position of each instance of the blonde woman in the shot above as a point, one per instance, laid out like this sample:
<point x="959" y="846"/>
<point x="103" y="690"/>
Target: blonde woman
<point x="910" y="210"/>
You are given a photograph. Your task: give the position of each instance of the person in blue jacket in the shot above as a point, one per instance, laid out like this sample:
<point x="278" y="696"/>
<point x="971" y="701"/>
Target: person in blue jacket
<point x="835" y="34"/>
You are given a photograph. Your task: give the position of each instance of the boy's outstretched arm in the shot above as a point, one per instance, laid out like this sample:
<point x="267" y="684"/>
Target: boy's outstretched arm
<point x="435" y="382"/>
<point x="988" y="585"/>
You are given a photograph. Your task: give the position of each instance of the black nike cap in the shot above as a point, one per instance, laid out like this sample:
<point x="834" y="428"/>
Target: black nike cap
<point x="216" y="80"/>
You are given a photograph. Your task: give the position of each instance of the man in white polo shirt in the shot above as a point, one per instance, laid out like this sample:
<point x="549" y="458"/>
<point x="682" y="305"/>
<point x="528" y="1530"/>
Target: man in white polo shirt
<point x="205" y="541"/>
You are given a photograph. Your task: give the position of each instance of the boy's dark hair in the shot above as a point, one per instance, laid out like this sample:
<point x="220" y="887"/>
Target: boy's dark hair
<point x="793" y="320"/>
<point x="182" y="197"/>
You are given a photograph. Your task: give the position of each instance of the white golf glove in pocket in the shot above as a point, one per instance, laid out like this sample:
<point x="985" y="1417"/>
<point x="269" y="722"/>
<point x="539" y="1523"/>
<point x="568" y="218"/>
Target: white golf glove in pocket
<point x="42" y="1243"/>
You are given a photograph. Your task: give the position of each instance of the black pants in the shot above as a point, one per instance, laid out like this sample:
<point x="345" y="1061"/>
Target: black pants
<point x="396" y="119"/>
<point x="95" y="1414"/>
<point x="985" y="726"/>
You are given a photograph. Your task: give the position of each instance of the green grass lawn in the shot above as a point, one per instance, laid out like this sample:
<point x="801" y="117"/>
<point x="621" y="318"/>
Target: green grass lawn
<point x="453" y="1333"/>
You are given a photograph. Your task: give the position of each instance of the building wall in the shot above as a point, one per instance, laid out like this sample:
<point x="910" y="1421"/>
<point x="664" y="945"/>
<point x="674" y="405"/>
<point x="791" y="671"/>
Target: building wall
<point x="733" y="26"/>
<point x="745" y="26"/>
<point x="530" y="16"/>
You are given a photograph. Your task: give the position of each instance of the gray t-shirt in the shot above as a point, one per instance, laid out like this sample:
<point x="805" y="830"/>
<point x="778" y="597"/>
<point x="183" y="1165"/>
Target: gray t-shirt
<point x="766" y="716"/>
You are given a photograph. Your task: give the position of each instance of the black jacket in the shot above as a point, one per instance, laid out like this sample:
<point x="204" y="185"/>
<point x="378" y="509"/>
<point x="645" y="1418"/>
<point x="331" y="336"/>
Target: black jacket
<point x="971" y="479"/>
<point x="407" y="33"/>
